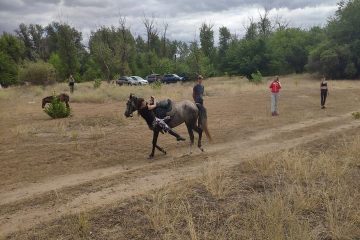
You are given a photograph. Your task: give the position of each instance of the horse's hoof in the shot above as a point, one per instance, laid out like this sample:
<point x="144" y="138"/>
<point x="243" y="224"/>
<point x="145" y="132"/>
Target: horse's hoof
<point x="150" y="156"/>
<point x="202" y="150"/>
<point x="165" y="152"/>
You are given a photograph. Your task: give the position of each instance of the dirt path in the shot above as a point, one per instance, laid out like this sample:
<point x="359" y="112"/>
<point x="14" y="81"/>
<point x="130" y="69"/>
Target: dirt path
<point x="151" y="176"/>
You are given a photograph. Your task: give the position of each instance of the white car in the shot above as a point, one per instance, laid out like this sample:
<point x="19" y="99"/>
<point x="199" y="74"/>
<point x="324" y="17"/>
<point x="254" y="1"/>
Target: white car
<point x="140" y="80"/>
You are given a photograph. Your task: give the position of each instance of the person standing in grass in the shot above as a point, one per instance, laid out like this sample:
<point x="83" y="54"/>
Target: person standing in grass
<point x="71" y="83"/>
<point x="275" y="87"/>
<point x="323" y="91"/>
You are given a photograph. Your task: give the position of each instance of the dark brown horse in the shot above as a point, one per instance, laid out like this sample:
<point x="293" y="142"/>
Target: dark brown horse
<point x="63" y="97"/>
<point x="182" y="112"/>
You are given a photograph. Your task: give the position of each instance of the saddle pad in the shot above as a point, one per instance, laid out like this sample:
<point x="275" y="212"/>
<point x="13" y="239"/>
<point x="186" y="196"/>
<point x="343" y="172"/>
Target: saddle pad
<point x="162" y="108"/>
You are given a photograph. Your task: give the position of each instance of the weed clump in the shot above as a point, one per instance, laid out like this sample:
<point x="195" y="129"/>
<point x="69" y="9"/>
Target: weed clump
<point x="57" y="109"/>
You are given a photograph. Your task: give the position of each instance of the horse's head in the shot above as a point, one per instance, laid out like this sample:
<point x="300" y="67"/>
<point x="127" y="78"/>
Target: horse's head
<point x="132" y="105"/>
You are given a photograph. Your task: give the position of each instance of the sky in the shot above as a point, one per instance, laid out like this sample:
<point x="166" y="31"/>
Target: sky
<point x="184" y="17"/>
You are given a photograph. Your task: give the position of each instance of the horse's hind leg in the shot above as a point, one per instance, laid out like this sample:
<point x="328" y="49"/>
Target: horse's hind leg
<point x="199" y="131"/>
<point x="191" y="135"/>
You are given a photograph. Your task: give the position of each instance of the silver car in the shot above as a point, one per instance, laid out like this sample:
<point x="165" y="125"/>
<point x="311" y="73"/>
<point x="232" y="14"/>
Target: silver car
<point x="140" y="80"/>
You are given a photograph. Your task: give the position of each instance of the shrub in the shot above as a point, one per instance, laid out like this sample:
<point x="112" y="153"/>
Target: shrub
<point x="256" y="77"/>
<point x="97" y="83"/>
<point x="8" y="70"/>
<point x="38" y="73"/>
<point x="57" y="109"/>
<point x="356" y="115"/>
<point x="350" y="70"/>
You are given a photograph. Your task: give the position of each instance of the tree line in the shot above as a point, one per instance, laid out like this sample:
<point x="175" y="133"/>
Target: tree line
<point x="45" y="54"/>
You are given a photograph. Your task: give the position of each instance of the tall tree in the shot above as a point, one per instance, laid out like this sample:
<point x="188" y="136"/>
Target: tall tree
<point x="207" y="40"/>
<point x="224" y="41"/>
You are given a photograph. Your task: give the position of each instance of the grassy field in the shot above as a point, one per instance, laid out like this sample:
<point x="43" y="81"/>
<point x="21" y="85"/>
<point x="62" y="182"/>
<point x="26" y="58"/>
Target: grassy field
<point x="87" y="177"/>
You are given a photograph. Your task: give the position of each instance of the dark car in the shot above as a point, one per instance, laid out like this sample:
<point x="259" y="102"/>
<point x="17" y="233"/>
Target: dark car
<point x="126" y="81"/>
<point x="153" y="78"/>
<point x="171" y="78"/>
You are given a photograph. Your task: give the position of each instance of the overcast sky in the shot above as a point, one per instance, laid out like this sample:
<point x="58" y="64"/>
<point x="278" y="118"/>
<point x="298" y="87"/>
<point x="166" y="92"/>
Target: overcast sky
<point x="183" y="16"/>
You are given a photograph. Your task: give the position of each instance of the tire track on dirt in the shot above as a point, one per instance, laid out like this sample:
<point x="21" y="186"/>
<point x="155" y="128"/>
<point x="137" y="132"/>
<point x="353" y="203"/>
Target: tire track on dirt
<point x="59" y="182"/>
<point x="233" y="153"/>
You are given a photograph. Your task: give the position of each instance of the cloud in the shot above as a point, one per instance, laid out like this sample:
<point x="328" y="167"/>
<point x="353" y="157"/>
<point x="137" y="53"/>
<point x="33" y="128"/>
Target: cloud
<point x="184" y="16"/>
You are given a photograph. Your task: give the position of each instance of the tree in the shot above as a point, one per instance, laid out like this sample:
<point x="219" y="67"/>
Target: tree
<point x="8" y="70"/>
<point x="13" y="47"/>
<point x="224" y="41"/>
<point x="69" y="40"/>
<point x="207" y="40"/>
<point x="251" y="30"/>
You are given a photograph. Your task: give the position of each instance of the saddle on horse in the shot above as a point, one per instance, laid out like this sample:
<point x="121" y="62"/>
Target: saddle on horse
<point x="163" y="108"/>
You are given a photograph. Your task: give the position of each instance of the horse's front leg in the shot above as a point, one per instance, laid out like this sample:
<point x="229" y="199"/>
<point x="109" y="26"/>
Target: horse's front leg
<point x="154" y="141"/>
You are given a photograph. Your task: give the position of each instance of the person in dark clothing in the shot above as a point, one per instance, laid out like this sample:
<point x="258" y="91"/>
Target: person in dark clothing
<point x="198" y="91"/>
<point x="71" y="83"/>
<point x="324" y="91"/>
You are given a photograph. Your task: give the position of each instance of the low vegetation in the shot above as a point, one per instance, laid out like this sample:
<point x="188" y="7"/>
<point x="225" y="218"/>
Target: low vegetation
<point x="57" y="109"/>
<point x="293" y="194"/>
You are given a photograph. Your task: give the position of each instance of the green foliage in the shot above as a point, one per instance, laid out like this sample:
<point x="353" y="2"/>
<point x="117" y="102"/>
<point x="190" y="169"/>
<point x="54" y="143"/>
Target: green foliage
<point x="92" y="71"/>
<point x="207" y="40"/>
<point x="356" y="115"/>
<point x="69" y="41"/>
<point x="338" y="56"/>
<point x="56" y="62"/>
<point x="8" y="70"/>
<point x="256" y="77"/>
<point x="38" y="73"/>
<point x="350" y="70"/>
<point x="57" y="109"/>
<point x="12" y="46"/>
<point x="268" y="46"/>
<point x="97" y="83"/>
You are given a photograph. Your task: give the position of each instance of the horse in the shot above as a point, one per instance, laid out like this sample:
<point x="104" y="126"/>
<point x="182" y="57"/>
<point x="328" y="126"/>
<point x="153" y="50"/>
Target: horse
<point x="63" y="97"/>
<point x="182" y="112"/>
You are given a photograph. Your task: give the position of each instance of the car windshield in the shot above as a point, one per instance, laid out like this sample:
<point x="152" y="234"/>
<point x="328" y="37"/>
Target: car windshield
<point x="137" y="78"/>
<point x="175" y="75"/>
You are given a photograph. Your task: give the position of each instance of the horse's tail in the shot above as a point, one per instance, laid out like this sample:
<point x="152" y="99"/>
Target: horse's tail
<point x="203" y="121"/>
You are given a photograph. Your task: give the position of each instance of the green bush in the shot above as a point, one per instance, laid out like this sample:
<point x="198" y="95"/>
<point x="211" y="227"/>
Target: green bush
<point x="356" y="115"/>
<point x="97" y="83"/>
<point x="256" y="77"/>
<point x="8" y="70"/>
<point x="57" y="109"/>
<point x="38" y="73"/>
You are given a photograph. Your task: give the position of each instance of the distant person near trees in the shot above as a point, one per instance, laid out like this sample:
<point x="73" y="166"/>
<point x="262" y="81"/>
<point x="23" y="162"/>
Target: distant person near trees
<point x="324" y="91"/>
<point x="275" y="87"/>
<point x="71" y="83"/>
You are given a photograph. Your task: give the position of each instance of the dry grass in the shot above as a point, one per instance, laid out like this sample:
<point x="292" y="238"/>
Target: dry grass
<point x="291" y="195"/>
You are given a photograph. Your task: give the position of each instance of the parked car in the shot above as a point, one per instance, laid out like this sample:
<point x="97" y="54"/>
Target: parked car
<point x="125" y="80"/>
<point x="171" y="78"/>
<point x="140" y="80"/>
<point x="153" y="77"/>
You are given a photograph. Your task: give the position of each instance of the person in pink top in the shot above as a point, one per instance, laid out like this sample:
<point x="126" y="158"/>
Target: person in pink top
<point x="275" y="87"/>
